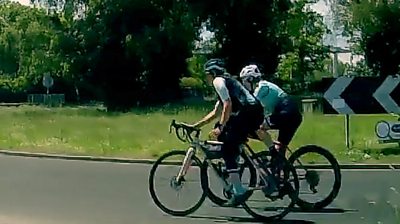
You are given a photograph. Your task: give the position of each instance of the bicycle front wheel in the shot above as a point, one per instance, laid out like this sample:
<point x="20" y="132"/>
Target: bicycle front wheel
<point x="165" y="170"/>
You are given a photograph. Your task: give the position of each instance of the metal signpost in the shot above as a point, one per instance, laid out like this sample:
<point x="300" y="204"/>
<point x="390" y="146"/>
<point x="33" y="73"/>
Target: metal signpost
<point x="364" y="95"/>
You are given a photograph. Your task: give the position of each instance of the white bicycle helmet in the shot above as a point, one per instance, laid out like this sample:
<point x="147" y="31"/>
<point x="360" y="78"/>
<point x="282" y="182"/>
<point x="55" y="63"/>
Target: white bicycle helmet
<point x="250" y="72"/>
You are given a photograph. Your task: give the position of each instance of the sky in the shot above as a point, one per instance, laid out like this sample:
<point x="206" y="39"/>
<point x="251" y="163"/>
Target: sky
<point x="23" y="2"/>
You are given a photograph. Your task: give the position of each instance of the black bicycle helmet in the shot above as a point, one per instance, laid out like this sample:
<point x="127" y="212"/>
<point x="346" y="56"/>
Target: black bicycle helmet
<point x="215" y="66"/>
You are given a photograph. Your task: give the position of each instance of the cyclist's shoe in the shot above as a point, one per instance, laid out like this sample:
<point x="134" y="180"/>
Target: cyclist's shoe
<point x="228" y="191"/>
<point x="238" y="199"/>
<point x="271" y="188"/>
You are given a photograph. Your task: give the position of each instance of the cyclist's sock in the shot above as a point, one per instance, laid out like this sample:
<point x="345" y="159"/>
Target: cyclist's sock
<point x="238" y="188"/>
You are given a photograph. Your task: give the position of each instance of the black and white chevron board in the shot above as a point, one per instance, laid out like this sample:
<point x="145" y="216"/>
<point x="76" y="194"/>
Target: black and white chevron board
<point x="361" y="95"/>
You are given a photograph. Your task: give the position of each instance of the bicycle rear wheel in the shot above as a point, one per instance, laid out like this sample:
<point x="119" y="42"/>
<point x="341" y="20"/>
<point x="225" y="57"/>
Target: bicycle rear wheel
<point x="310" y="177"/>
<point x="166" y="162"/>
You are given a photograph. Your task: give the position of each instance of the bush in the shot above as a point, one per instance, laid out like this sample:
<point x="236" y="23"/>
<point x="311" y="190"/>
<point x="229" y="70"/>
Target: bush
<point x="191" y="83"/>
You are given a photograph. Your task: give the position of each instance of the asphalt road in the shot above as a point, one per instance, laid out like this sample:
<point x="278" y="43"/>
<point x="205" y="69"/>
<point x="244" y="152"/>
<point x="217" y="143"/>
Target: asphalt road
<point x="53" y="191"/>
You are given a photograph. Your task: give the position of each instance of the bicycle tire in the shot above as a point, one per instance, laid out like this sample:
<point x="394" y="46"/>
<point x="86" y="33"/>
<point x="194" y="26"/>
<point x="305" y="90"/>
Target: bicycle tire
<point x="214" y="197"/>
<point x="288" y="167"/>
<point x="153" y="193"/>
<point x="336" y="169"/>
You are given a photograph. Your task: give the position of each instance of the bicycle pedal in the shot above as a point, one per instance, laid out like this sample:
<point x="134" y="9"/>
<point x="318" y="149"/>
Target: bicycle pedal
<point x="272" y="198"/>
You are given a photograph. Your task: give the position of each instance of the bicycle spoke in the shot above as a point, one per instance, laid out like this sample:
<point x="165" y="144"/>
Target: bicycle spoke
<point x="180" y="198"/>
<point x="266" y="206"/>
<point x="319" y="176"/>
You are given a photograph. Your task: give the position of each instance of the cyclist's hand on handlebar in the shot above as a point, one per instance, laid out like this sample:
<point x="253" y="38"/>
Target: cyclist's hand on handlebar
<point x="214" y="133"/>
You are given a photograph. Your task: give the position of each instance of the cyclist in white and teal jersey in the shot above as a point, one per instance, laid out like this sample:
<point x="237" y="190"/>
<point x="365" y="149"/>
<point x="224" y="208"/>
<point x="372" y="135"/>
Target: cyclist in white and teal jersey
<point x="240" y="114"/>
<point x="280" y="110"/>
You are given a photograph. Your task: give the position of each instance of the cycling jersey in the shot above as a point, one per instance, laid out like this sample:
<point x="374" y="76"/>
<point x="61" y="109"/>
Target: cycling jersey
<point x="229" y="88"/>
<point x="246" y="117"/>
<point x="269" y="95"/>
<point x="281" y="111"/>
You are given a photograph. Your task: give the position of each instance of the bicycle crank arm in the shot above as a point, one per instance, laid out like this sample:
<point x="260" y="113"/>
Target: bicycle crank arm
<point x="256" y="188"/>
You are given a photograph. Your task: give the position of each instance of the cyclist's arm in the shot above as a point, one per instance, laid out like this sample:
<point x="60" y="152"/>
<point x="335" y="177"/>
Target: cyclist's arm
<point x="209" y="117"/>
<point x="223" y="93"/>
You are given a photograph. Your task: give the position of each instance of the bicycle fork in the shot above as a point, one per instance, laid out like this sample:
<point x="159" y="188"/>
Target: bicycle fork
<point x="186" y="164"/>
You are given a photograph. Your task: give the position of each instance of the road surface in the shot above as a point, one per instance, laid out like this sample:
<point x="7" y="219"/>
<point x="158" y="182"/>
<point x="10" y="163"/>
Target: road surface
<point x="53" y="191"/>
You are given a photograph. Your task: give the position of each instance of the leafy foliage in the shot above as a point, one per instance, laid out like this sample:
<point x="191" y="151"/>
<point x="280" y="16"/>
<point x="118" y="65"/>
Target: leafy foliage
<point x="28" y="40"/>
<point x="305" y="52"/>
<point x="134" y="52"/>
<point x="375" y="30"/>
<point x="246" y="31"/>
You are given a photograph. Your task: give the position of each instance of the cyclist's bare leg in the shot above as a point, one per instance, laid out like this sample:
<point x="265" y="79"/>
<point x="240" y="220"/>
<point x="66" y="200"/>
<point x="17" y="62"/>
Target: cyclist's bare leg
<point x="265" y="137"/>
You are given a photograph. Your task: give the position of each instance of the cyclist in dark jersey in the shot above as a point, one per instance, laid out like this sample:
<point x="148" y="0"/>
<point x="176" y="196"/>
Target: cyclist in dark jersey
<point x="241" y="115"/>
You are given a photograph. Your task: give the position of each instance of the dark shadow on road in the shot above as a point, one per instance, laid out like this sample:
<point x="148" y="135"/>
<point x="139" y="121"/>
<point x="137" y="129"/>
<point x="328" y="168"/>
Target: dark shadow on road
<point x="248" y="220"/>
<point x="223" y="219"/>
<point x="324" y="210"/>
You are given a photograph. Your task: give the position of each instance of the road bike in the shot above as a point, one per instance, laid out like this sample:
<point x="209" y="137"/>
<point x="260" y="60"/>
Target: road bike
<point x="203" y="156"/>
<point x="309" y="175"/>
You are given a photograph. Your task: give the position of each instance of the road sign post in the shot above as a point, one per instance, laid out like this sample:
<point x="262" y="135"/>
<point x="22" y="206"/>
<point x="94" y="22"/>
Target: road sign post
<point x="361" y="95"/>
<point x="347" y="130"/>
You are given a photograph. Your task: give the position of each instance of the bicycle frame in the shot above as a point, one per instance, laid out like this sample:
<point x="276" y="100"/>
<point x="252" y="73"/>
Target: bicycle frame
<point x="268" y="142"/>
<point x="250" y="154"/>
<point x="196" y="144"/>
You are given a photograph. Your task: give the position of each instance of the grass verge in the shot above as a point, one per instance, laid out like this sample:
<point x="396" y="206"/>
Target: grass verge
<point x="144" y="133"/>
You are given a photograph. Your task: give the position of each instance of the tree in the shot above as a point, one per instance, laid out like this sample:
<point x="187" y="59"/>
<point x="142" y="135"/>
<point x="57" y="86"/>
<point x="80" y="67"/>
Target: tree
<point x="375" y="30"/>
<point x="132" y="51"/>
<point x="305" y="52"/>
<point x="27" y="46"/>
<point x="278" y="35"/>
<point x="245" y="31"/>
<point x="135" y="52"/>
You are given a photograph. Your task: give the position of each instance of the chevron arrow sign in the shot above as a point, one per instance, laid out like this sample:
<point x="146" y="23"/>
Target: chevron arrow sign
<point x="383" y="94"/>
<point x="333" y="95"/>
<point x="361" y="95"/>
